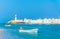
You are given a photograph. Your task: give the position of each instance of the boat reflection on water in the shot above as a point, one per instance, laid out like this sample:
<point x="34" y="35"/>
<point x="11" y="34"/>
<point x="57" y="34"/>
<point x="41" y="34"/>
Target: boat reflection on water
<point x="31" y="31"/>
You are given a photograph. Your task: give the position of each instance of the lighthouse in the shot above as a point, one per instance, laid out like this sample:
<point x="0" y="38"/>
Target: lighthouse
<point x="15" y="17"/>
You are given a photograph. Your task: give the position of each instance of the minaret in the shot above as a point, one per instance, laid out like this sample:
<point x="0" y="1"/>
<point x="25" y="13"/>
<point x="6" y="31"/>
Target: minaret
<point x="15" y="17"/>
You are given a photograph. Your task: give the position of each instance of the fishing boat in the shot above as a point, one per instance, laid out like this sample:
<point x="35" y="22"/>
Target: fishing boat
<point x="28" y="31"/>
<point x="7" y="25"/>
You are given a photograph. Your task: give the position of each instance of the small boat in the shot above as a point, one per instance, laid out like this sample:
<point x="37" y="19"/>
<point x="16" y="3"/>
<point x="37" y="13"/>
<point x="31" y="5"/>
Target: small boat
<point x="28" y="31"/>
<point x="7" y="25"/>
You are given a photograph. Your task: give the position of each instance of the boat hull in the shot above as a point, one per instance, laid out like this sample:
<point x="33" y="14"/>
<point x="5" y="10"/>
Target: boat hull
<point x="29" y="31"/>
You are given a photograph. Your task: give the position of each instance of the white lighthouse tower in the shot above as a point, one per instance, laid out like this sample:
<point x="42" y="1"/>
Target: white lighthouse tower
<point x="15" y="17"/>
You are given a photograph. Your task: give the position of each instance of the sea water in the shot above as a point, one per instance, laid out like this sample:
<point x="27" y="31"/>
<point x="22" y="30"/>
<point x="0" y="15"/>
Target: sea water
<point x="45" y="31"/>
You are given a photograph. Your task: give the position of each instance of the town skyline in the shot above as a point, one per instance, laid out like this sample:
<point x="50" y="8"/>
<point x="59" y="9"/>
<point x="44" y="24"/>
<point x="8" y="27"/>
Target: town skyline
<point x="34" y="21"/>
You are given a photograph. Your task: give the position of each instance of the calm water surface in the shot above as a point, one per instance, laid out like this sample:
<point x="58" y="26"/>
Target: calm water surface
<point x="44" y="31"/>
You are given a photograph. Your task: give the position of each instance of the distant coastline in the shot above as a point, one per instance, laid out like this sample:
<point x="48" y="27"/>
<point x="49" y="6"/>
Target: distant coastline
<point x="37" y="21"/>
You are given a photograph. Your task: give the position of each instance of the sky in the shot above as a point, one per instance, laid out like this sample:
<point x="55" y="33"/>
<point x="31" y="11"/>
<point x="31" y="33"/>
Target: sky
<point x="31" y="9"/>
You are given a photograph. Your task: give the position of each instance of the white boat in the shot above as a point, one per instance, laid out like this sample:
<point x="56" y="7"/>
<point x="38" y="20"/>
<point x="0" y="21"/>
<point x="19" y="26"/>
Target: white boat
<point x="29" y="31"/>
<point x="7" y="25"/>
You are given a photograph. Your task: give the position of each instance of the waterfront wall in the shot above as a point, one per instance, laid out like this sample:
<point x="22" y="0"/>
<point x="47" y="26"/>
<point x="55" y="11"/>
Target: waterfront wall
<point x="43" y="21"/>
